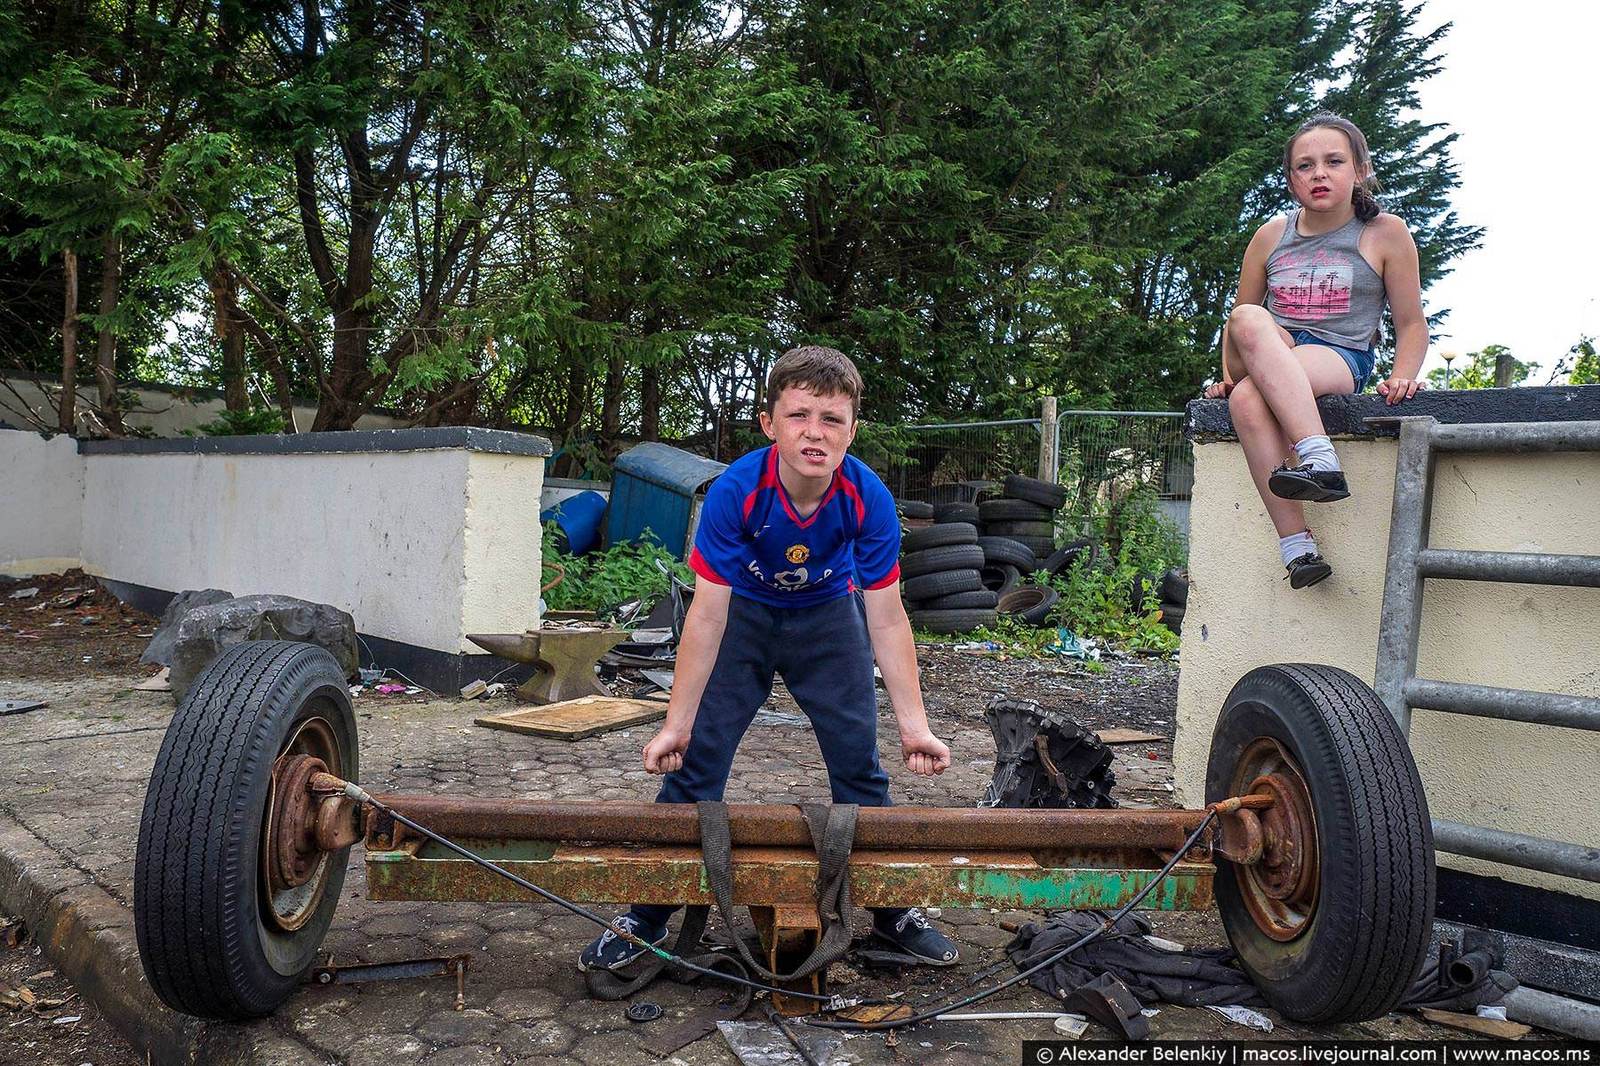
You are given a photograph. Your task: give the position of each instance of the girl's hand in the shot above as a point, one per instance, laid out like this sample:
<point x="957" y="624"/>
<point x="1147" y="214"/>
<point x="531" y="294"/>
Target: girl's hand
<point x="1397" y="389"/>
<point x="1219" y="391"/>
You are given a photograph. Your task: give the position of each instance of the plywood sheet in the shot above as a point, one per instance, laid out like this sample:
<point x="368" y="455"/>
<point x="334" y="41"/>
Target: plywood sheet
<point x="576" y="719"/>
<point x="1126" y="736"/>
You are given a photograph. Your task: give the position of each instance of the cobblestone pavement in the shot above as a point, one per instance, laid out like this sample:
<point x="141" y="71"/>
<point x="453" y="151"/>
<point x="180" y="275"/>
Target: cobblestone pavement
<point x="75" y="775"/>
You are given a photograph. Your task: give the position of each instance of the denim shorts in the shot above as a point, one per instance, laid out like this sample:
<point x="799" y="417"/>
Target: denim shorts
<point x="1360" y="361"/>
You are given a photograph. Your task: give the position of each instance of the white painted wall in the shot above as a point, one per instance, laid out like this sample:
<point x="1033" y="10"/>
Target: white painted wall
<point x="420" y="546"/>
<point x="501" y="548"/>
<point x="41" y="503"/>
<point x="165" y="412"/>
<point x="1242" y="614"/>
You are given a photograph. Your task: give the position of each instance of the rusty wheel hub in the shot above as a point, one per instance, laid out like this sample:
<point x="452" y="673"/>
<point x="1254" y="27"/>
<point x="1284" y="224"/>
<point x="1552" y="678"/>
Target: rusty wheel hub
<point x="293" y="853"/>
<point x="1280" y="891"/>
<point x="294" y="863"/>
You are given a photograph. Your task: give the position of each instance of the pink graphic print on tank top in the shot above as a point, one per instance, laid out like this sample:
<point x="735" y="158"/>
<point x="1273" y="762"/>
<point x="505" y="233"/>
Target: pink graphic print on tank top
<point x="1311" y="287"/>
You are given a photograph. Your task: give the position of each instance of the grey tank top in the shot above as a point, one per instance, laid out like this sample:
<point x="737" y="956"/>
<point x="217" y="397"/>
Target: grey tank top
<point x="1324" y="286"/>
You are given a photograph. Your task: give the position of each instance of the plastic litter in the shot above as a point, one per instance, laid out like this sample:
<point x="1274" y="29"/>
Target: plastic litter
<point x="1250" y="1019"/>
<point x="761" y="1044"/>
<point x="1497" y="1012"/>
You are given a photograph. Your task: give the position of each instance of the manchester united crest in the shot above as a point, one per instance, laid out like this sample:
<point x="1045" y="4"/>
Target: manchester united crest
<point x="797" y="554"/>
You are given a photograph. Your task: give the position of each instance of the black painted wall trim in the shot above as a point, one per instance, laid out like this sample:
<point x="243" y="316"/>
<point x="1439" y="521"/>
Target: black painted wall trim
<point x="1208" y="420"/>
<point x="441" y="671"/>
<point x="1539" y="913"/>
<point x="496" y="441"/>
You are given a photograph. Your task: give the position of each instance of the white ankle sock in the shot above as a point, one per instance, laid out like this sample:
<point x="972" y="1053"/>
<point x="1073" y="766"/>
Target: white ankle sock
<point x="1317" y="453"/>
<point x="1296" y="544"/>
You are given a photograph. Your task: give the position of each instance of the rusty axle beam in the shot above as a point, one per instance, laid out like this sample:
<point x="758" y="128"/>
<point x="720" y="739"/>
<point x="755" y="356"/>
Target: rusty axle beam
<point x="782" y="825"/>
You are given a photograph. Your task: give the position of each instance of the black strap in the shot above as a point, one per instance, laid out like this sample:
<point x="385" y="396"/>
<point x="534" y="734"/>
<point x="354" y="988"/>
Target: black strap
<point x="833" y="832"/>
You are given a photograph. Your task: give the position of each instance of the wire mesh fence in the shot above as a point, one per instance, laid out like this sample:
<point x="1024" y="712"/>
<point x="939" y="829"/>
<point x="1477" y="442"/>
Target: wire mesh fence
<point x="1102" y="457"/>
<point x="952" y="461"/>
<point x="1105" y="456"/>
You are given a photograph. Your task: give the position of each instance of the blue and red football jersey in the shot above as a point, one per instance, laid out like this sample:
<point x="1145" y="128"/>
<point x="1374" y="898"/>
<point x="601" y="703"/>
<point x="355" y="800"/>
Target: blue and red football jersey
<point x="751" y="538"/>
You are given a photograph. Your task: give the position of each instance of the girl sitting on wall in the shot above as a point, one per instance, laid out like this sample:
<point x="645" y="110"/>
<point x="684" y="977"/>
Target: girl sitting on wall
<point x="1311" y="295"/>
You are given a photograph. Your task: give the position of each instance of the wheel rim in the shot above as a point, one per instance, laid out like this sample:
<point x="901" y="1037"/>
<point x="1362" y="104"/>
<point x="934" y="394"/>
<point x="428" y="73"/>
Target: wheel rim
<point x="1280" y="891"/>
<point x="294" y="872"/>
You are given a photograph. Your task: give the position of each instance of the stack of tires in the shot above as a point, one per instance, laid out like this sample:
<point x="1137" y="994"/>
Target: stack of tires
<point x="941" y="575"/>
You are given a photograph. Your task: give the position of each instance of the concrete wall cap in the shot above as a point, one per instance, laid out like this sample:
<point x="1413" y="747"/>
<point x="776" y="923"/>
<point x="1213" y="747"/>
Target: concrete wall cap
<point x="471" y="438"/>
<point x="1207" y="421"/>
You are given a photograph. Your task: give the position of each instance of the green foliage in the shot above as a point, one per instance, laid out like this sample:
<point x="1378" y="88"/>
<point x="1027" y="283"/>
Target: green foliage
<point x="604" y="581"/>
<point x="1584" y="362"/>
<point x="1479" y="369"/>
<point x="250" y="421"/>
<point x="609" y="218"/>
<point x="1097" y="595"/>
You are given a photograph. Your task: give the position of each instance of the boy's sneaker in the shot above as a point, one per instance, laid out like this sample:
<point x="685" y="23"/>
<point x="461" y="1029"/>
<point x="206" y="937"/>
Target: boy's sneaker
<point x="913" y="934"/>
<point x="610" y="952"/>
<point x="1308" y="570"/>
<point x="1307" y="484"/>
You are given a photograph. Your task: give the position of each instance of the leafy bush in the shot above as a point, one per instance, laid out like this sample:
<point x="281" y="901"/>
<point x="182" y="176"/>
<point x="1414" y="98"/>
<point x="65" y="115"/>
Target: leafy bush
<point x="243" y="423"/>
<point x="604" y="581"/>
<point x="1097" y="596"/>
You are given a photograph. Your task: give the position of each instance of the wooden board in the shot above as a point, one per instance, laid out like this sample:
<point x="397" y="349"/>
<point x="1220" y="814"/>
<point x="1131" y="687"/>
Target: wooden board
<point x="576" y="719"/>
<point x="1471" y="1023"/>
<point x="1126" y="736"/>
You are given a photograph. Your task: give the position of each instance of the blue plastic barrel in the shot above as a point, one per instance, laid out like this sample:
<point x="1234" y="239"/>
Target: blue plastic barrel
<point x="579" y="517"/>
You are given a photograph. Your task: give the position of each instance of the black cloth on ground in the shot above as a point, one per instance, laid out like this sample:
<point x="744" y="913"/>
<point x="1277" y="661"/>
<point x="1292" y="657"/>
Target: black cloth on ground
<point x="1193" y="977"/>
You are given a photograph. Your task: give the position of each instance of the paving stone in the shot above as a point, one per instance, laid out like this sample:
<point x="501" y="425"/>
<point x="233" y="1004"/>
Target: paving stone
<point x="386" y="1049"/>
<point x="538" y="1038"/>
<point x="476" y="1055"/>
<point x="525" y="1004"/>
<point x="452" y="1027"/>
<point x="518" y="942"/>
<point x="385" y="924"/>
<point x="456" y="937"/>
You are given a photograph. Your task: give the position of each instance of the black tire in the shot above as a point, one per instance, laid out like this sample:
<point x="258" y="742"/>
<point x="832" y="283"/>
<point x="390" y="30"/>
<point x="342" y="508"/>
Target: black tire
<point x="1030" y="603"/>
<point x="914" y="508"/>
<point x="1175" y="586"/>
<point x="200" y="905"/>
<point x="1020" y="530"/>
<point x="999" y="551"/>
<point x="960" y="621"/>
<point x="1000" y="579"/>
<point x="1141" y="593"/>
<point x="938" y="536"/>
<point x="945" y="557"/>
<point x="1061" y="560"/>
<point x="943" y="583"/>
<point x="1041" y="547"/>
<point x="956" y="512"/>
<point x="1350" y="952"/>
<point x="1044" y="493"/>
<point x="958" y="601"/>
<point x="1006" y="510"/>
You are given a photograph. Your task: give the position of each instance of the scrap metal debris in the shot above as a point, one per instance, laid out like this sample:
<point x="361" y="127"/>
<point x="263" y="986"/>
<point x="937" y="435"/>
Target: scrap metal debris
<point x="1045" y="759"/>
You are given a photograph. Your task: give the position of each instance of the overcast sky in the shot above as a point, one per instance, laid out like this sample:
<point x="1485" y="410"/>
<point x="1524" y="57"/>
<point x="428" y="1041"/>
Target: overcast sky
<point x="1519" y="84"/>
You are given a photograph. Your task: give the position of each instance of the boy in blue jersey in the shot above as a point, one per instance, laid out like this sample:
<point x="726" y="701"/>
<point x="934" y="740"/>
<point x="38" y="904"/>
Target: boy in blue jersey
<point x="797" y="563"/>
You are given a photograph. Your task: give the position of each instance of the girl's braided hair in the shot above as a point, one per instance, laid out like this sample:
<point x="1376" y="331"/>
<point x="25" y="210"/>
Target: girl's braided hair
<point x="1363" y="196"/>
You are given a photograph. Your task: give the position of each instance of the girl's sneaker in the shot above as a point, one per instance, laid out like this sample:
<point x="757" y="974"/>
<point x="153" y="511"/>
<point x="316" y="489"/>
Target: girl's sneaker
<point x="1307" y="570"/>
<point x="610" y="952"/>
<point x="912" y="933"/>
<point x="1307" y="484"/>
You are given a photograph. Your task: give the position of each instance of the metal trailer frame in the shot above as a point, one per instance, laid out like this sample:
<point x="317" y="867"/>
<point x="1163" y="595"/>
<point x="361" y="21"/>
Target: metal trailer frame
<point x="1411" y="562"/>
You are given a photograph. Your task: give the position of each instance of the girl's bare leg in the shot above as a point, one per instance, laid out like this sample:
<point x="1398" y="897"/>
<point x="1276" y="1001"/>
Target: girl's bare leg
<point x="1265" y="446"/>
<point x="1288" y="378"/>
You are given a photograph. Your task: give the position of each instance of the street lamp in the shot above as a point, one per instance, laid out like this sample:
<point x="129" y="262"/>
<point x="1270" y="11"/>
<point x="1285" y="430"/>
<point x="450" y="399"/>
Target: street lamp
<point x="1448" y="357"/>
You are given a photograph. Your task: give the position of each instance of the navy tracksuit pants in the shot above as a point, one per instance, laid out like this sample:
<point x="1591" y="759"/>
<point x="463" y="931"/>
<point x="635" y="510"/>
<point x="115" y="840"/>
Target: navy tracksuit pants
<point x="824" y="655"/>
